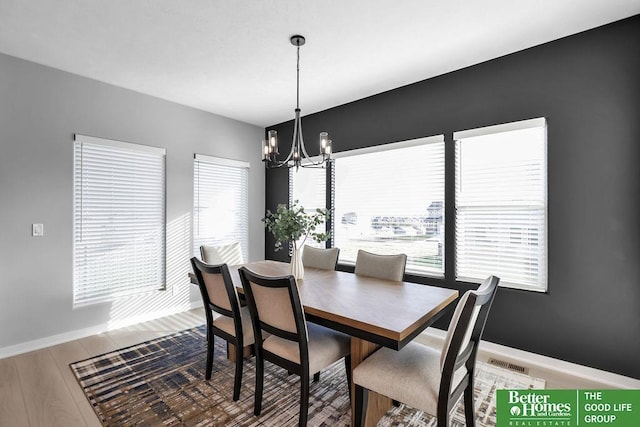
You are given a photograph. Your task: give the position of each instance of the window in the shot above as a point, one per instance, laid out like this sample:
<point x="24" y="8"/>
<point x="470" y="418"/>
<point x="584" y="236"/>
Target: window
<point x="501" y="204"/>
<point x="119" y="219"/>
<point x="220" y="203"/>
<point x="309" y="187"/>
<point x="390" y="199"/>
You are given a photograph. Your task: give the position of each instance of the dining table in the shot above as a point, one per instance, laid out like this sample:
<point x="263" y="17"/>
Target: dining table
<point x="373" y="312"/>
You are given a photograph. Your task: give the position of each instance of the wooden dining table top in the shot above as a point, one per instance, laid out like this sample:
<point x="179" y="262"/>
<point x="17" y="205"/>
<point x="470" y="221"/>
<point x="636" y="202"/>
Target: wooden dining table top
<point x="380" y="311"/>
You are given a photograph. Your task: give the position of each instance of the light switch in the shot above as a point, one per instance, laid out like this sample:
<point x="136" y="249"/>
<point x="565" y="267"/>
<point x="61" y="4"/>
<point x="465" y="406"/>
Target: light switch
<point x="37" y="230"/>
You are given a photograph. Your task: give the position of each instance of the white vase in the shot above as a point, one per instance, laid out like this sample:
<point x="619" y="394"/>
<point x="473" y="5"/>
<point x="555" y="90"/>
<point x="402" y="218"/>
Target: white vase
<point x="296" y="267"/>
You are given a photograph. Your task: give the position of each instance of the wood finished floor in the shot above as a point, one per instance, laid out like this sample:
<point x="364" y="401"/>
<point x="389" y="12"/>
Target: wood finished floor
<point x="37" y="389"/>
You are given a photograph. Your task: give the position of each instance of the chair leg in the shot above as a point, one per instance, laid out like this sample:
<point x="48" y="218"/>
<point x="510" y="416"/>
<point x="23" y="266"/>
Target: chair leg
<point x="443" y="413"/>
<point x="237" y="383"/>
<point x="443" y="421"/>
<point x="362" y="400"/>
<point x="304" y="399"/>
<point x="469" y="411"/>
<point x="257" y="406"/>
<point x="316" y="377"/>
<point x="210" y="351"/>
<point x="347" y="367"/>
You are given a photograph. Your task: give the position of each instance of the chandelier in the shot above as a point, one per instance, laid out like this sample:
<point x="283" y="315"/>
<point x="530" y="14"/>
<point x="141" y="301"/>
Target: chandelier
<point x="298" y="156"/>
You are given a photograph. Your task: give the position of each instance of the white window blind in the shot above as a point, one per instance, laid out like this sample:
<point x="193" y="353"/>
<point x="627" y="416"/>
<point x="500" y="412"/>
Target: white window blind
<point x="501" y="204"/>
<point x="390" y="199"/>
<point x="309" y="187"/>
<point x="220" y="203"/>
<point x="119" y="219"/>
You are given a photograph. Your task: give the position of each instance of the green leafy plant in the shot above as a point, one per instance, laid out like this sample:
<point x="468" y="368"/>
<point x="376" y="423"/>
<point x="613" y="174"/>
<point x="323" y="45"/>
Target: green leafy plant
<point x="290" y="224"/>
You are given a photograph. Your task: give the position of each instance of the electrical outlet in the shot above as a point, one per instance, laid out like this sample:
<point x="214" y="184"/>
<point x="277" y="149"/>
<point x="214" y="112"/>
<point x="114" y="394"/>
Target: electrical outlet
<point x="37" y="230"/>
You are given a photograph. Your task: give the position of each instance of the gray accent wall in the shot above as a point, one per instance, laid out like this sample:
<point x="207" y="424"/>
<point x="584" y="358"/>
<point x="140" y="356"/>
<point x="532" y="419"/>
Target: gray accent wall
<point x="40" y="110"/>
<point x="588" y="87"/>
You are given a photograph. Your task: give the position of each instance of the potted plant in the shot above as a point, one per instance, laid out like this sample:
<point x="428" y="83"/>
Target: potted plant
<point x="293" y="224"/>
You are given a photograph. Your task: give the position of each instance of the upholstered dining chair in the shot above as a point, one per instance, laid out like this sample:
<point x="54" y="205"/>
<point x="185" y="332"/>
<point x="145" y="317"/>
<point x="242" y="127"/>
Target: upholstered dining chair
<point x="230" y="254"/>
<point x="388" y="267"/>
<point x="426" y="378"/>
<point x="299" y="347"/>
<point x="233" y="322"/>
<point x="324" y="259"/>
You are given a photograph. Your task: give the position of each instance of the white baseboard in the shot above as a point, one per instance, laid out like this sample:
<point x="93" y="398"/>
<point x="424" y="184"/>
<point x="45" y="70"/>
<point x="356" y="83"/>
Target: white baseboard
<point x="41" y="343"/>
<point x="525" y="358"/>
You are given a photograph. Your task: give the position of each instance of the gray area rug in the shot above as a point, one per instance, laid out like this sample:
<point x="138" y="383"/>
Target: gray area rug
<point x="161" y="383"/>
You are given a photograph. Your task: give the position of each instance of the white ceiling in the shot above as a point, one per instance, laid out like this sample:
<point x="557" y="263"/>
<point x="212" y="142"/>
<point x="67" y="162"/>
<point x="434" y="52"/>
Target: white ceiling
<point x="233" y="57"/>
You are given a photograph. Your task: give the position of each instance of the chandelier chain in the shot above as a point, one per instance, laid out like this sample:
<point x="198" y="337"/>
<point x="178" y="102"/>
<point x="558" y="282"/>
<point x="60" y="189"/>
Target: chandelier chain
<point x="298" y="79"/>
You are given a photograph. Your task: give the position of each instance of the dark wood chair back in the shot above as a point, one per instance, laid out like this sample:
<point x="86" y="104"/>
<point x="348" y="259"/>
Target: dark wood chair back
<point x="461" y="347"/>
<point x="275" y="307"/>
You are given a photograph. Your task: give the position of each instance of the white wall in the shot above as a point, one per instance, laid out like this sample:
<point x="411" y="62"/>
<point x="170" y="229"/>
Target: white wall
<point x="40" y="110"/>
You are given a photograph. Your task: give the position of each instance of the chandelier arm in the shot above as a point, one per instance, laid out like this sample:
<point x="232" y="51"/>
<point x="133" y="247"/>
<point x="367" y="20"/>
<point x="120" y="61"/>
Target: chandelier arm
<point x="307" y="157"/>
<point x="275" y="165"/>
<point x="309" y="162"/>
<point x="301" y="142"/>
<point x="295" y="145"/>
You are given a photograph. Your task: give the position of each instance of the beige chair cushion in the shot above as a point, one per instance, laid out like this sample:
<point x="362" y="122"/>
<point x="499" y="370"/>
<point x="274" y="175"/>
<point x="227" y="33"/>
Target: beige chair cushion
<point x="324" y="259"/>
<point x="230" y="254"/>
<point x="411" y="375"/>
<point x="325" y="347"/>
<point x="226" y="324"/>
<point x="388" y="267"/>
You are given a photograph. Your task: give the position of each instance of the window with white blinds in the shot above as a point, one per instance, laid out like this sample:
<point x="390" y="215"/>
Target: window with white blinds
<point x="308" y="186"/>
<point x="220" y="203"/>
<point x="501" y="204"/>
<point x="119" y="219"/>
<point x="390" y="199"/>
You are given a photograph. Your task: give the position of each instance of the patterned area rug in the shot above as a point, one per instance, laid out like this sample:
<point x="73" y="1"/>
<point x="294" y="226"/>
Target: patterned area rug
<point x="161" y="383"/>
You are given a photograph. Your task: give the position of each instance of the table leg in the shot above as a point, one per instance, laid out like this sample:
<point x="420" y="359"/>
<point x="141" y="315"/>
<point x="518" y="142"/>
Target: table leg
<point x="231" y="352"/>
<point x="378" y="405"/>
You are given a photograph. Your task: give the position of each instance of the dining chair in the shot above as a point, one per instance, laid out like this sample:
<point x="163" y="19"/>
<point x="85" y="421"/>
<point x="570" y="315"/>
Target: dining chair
<point x="300" y="347"/>
<point x="233" y="322"/>
<point x="230" y="254"/>
<point x="324" y="259"/>
<point x="388" y="267"/>
<point x="426" y="378"/>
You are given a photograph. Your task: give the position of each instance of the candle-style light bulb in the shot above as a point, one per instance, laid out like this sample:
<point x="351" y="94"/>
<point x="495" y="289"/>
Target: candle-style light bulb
<point x="324" y="140"/>
<point x="273" y="141"/>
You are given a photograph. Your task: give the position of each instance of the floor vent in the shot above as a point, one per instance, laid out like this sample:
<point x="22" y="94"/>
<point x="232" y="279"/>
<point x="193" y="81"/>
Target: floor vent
<point x="507" y="365"/>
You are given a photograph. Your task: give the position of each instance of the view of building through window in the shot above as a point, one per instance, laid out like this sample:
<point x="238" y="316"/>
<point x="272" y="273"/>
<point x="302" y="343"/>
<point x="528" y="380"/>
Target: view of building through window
<point x="391" y="200"/>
